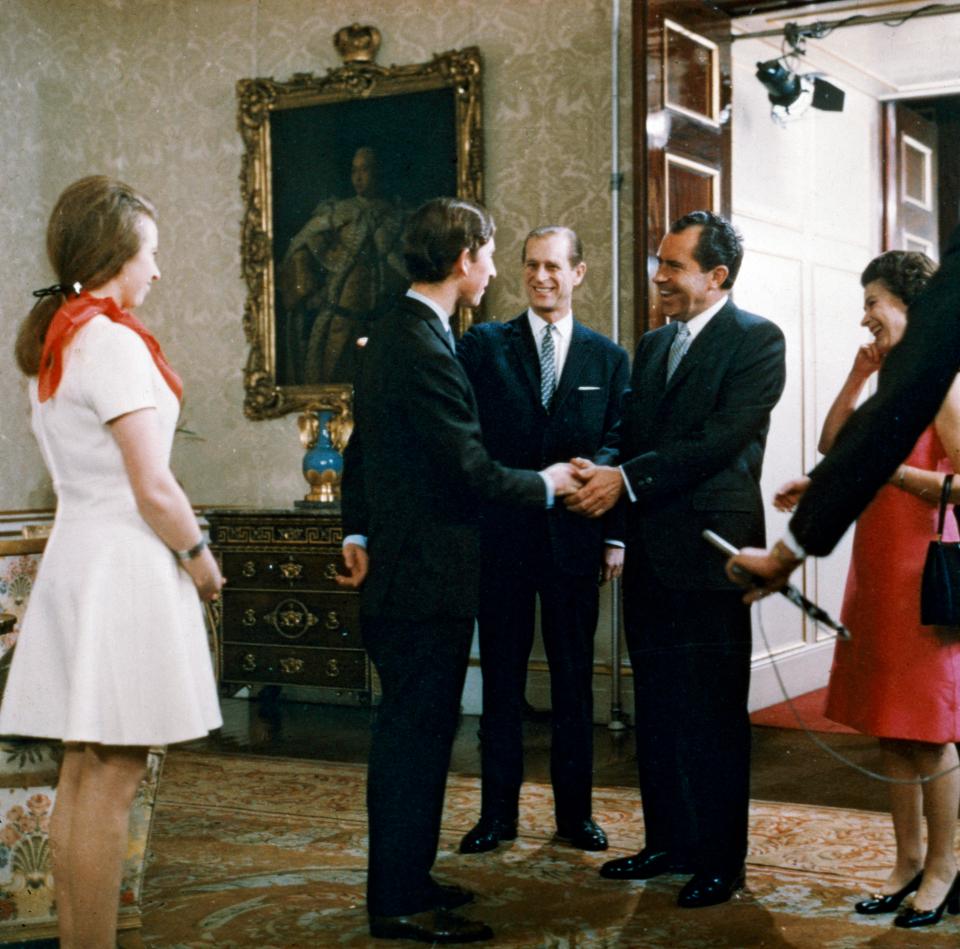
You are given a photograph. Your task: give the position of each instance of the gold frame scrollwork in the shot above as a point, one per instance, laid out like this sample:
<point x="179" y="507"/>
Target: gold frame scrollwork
<point x="258" y="99"/>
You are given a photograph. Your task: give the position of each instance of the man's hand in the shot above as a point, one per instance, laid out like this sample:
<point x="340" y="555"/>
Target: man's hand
<point x="358" y="562"/>
<point x="770" y="568"/>
<point x="612" y="563"/>
<point x="788" y="495"/>
<point x="564" y="477"/>
<point x="602" y="487"/>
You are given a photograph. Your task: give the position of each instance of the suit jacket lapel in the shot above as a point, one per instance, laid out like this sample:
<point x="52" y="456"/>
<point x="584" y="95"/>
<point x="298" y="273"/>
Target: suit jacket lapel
<point x="524" y="354"/>
<point x="432" y="320"/>
<point x="708" y="340"/>
<point x="573" y="366"/>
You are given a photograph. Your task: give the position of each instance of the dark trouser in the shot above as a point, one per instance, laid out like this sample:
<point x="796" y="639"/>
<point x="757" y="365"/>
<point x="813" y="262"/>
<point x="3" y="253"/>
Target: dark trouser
<point x="568" y="613"/>
<point x="422" y="666"/>
<point x="690" y="652"/>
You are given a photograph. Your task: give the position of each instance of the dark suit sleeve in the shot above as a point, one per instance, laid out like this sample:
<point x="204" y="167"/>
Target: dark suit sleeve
<point x="353" y="505"/>
<point x="470" y="353"/>
<point x="614" y="521"/>
<point x="880" y="434"/>
<point x="610" y="449"/>
<point x="444" y="418"/>
<point x="749" y="392"/>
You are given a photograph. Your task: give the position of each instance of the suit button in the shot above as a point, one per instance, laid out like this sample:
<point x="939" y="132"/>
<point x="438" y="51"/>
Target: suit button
<point x="648" y="480"/>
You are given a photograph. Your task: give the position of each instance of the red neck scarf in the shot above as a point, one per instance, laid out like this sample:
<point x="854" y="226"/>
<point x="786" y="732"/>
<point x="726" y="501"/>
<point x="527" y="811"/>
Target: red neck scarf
<point x="70" y="317"/>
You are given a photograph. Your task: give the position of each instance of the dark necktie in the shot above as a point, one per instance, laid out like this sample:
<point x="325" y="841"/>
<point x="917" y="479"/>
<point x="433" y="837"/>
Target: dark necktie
<point x="548" y="366"/>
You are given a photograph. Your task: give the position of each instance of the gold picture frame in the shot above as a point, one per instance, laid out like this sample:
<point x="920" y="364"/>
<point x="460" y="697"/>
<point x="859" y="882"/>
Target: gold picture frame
<point x="421" y="127"/>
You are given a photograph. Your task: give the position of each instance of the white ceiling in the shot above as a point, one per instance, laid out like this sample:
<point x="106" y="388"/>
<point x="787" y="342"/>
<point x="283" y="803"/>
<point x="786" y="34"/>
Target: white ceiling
<point x="920" y="57"/>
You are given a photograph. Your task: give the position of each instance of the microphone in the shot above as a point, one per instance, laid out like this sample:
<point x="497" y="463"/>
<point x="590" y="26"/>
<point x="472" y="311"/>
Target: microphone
<point x="816" y="613"/>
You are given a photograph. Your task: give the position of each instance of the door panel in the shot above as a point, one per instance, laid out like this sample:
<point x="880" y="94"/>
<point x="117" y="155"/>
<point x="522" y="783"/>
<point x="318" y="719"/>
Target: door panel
<point x="910" y="211"/>
<point x="682" y="132"/>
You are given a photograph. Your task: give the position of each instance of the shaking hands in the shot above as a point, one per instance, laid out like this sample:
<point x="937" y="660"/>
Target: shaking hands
<point x="601" y="486"/>
<point x="586" y="488"/>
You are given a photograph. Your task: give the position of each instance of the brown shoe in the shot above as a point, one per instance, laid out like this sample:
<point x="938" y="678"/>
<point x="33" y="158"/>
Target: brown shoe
<point x="433" y="926"/>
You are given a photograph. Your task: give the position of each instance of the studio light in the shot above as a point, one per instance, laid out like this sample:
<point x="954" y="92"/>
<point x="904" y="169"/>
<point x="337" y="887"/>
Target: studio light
<point x="791" y="95"/>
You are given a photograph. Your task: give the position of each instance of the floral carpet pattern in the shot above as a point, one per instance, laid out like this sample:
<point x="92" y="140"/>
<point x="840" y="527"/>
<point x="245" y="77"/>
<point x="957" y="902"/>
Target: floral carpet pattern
<point x="271" y="852"/>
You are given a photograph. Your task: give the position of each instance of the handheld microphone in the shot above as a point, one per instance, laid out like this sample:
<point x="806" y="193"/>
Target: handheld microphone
<point x="815" y="612"/>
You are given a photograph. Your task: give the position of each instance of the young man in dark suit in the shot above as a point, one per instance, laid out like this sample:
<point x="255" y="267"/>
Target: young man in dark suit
<point x="415" y="471"/>
<point x="542" y="398"/>
<point x="694" y="428"/>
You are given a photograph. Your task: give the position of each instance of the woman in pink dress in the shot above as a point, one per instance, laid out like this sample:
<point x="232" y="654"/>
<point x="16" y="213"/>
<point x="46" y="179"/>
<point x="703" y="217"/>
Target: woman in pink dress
<point x="896" y="679"/>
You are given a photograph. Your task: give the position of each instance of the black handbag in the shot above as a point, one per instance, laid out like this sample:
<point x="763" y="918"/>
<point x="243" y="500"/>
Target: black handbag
<point x="940" y="585"/>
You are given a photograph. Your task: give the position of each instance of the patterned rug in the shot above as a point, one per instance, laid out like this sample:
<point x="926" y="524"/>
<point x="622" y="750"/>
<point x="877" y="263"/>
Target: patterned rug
<point x="267" y="852"/>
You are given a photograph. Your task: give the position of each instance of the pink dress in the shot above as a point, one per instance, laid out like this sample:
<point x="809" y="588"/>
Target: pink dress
<point x="895" y="678"/>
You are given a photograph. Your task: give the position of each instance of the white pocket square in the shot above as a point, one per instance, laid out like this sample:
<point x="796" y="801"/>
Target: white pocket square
<point x="588" y="388"/>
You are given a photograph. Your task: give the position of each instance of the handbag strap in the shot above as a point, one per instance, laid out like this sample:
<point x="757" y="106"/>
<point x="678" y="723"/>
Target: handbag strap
<point x="944" y="500"/>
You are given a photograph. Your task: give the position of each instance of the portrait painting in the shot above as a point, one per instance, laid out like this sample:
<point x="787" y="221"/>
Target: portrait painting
<point x="334" y="167"/>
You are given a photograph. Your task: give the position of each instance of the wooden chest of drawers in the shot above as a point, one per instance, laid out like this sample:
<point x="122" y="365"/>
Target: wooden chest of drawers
<point x="283" y="619"/>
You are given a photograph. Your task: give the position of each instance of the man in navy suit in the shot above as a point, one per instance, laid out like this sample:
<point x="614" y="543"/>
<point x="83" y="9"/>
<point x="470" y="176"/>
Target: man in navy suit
<point x="534" y="413"/>
<point x="415" y="471"/>
<point x="694" y="428"/>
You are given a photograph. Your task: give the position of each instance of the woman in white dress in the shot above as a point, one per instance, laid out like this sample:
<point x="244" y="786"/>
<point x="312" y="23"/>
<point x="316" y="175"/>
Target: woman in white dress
<point x="112" y="654"/>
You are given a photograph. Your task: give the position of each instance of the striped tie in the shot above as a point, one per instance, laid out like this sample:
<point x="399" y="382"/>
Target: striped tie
<point x="548" y="366"/>
<point x="678" y="348"/>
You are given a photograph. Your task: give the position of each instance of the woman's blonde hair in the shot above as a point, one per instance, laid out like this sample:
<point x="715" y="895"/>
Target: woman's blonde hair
<point x="92" y="233"/>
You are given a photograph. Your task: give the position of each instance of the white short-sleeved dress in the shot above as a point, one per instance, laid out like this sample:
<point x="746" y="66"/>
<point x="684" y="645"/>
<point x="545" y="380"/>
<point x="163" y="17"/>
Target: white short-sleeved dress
<point x="112" y="648"/>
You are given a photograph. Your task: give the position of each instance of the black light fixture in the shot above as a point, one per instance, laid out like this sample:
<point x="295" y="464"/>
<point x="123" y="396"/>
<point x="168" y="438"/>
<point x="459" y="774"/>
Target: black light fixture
<point x="791" y="94"/>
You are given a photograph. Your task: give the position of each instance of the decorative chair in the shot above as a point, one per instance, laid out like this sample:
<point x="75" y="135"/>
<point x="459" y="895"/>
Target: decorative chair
<point x="28" y="780"/>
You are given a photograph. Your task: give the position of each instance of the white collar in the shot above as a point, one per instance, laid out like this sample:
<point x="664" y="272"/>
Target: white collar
<point x="564" y="326"/>
<point x="696" y="323"/>
<point x="442" y="315"/>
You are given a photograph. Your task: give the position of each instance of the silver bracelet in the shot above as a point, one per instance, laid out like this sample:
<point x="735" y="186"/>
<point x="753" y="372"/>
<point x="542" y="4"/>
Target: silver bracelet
<point x="193" y="552"/>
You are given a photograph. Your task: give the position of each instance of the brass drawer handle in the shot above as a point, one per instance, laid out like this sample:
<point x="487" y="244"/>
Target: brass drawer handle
<point x="330" y="571"/>
<point x="249" y="569"/>
<point x="331" y="669"/>
<point x="332" y="621"/>
<point x="249" y="662"/>
<point x="291" y="619"/>
<point x="291" y="666"/>
<point x="291" y="570"/>
<point x="249" y="617"/>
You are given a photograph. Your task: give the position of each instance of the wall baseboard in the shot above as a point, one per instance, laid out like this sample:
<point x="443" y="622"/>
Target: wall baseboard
<point x="803" y="669"/>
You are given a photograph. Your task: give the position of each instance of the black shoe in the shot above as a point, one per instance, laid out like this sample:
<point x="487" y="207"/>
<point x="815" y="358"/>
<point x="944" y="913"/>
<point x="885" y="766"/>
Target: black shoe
<point x="878" y="903"/>
<point x="642" y="866"/>
<point x="911" y="918"/>
<point x="709" y="888"/>
<point x="487" y="834"/>
<point x="450" y="896"/>
<point x="433" y="925"/>
<point x="587" y="835"/>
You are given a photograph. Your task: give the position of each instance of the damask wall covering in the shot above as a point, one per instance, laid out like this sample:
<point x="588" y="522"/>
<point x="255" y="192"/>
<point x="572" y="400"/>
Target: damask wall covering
<point x="144" y="89"/>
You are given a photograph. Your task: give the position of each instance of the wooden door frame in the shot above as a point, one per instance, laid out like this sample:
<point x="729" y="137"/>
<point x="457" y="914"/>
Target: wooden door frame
<point x="645" y="240"/>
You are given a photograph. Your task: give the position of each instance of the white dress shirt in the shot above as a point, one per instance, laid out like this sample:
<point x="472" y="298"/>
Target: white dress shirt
<point x="561" y="338"/>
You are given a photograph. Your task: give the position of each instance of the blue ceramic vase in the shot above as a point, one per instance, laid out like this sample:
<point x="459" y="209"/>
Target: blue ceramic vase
<point x="322" y="463"/>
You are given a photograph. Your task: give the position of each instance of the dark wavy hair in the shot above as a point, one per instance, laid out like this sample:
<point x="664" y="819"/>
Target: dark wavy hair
<point x="438" y="232"/>
<point x="719" y="243"/>
<point x="905" y="273"/>
<point x="93" y="231"/>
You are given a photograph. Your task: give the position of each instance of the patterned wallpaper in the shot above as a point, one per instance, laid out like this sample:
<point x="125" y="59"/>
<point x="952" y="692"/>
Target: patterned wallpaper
<point x="144" y="89"/>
